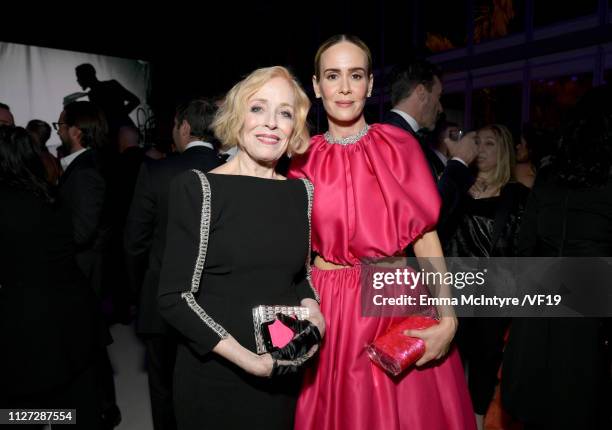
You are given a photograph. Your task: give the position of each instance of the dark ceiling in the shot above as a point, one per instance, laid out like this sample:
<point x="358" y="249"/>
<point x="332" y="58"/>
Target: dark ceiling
<point x="203" y="50"/>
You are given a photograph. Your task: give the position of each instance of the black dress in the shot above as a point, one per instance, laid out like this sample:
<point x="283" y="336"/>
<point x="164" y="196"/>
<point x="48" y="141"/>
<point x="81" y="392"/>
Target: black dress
<point x="487" y="227"/>
<point x="233" y="243"/>
<point x="50" y="327"/>
<point x="475" y="232"/>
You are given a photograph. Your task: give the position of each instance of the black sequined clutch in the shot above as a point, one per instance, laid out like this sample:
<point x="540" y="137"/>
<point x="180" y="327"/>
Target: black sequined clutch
<point x="270" y="333"/>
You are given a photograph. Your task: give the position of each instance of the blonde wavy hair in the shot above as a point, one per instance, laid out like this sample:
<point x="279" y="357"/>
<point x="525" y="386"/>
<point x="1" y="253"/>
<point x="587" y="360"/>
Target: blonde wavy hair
<point x="505" y="154"/>
<point x="229" y="119"/>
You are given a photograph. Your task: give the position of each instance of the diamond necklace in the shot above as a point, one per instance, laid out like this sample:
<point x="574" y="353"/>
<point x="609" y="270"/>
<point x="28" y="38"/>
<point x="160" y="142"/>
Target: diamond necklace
<point x="348" y="140"/>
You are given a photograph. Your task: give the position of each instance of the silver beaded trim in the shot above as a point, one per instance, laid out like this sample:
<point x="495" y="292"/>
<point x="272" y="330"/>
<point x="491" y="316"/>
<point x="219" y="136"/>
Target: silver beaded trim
<point x="310" y="192"/>
<point x="199" y="267"/>
<point x="349" y="140"/>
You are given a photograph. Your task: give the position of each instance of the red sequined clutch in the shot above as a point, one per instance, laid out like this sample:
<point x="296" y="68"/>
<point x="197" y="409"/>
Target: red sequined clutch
<point x="394" y="351"/>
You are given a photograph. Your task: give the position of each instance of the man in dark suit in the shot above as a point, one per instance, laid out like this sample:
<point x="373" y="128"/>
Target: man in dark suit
<point x="145" y="238"/>
<point x="82" y="128"/>
<point x="415" y="96"/>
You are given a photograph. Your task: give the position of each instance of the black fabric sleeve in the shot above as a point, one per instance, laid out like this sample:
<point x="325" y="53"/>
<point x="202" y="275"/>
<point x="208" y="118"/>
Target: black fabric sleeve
<point x="189" y="215"/>
<point x="303" y="287"/>
<point x="87" y="203"/>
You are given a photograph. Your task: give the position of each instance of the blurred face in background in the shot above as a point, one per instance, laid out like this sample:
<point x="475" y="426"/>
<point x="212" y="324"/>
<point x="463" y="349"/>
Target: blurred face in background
<point x="62" y="131"/>
<point x="178" y="132"/>
<point x="431" y="106"/>
<point x="488" y="149"/>
<point x="522" y="153"/>
<point x="6" y="117"/>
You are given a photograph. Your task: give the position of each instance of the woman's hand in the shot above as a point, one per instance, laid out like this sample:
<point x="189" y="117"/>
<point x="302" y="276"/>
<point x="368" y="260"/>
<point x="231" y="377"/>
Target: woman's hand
<point x="318" y="320"/>
<point x="437" y="339"/>
<point x="315" y="315"/>
<point x="305" y="343"/>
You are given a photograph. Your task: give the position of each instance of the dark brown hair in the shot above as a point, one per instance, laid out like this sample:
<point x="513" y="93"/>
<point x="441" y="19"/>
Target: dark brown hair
<point x="334" y="40"/>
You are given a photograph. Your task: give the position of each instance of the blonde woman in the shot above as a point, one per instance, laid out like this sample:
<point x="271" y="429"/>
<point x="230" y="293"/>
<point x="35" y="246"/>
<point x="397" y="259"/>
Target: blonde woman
<point x="238" y="237"/>
<point x="487" y="226"/>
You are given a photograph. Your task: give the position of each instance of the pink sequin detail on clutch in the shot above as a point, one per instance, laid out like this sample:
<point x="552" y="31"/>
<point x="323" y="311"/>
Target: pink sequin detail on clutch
<point x="394" y="351"/>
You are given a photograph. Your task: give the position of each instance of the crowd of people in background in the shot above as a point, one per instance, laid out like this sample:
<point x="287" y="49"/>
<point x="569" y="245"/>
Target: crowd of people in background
<point x="110" y="230"/>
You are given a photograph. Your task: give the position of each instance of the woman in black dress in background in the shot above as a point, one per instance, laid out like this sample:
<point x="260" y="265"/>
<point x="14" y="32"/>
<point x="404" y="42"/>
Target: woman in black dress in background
<point x="50" y="326"/>
<point x="238" y="237"/>
<point x="481" y="230"/>
<point x="487" y="226"/>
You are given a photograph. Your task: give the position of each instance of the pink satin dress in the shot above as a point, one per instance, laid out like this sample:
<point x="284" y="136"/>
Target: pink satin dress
<point x="372" y="198"/>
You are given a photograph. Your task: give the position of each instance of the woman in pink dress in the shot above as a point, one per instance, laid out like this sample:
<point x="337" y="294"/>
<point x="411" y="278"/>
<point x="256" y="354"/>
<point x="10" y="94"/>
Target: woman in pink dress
<point x="374" y="196"/>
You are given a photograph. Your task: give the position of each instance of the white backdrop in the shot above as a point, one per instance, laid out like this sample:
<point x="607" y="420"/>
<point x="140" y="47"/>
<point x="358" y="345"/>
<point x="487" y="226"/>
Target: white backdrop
<point x="35" y="80"/>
